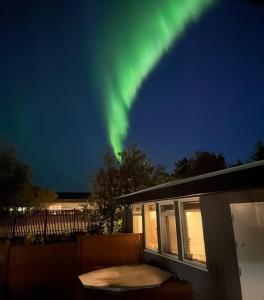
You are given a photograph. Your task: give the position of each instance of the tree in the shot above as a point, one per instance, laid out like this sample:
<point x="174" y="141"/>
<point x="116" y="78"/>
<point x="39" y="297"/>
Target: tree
<point x="105" y="189"/>
<point x="237" y="163"/>
<point x="199" y="163"/>
<point x="16" y="188"/>
<point x="15" y="179"/>
<point x="133" y="172"/>
<point x="182" y="168"/>
<point x="42" y="197"/>
<point x="138" y="172"/>
<point x="258" y="152"/>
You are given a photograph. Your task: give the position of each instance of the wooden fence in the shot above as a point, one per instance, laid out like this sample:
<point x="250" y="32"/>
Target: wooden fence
<point x="42" y="272"/>
<point x="108" y="250"/>
<point x="42" y="223"/>
<point x="51" y="271"/>
<point x="4" y="262"/>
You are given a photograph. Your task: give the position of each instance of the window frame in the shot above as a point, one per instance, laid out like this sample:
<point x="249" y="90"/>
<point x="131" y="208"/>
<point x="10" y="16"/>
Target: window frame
<point x="177" y="202"/>
<point x="161" y="203"/>
<point x="182" y="228"/>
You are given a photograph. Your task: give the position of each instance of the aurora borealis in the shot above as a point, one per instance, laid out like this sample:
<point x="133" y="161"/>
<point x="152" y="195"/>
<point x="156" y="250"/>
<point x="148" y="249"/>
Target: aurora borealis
<point x="131" y="42"/>
<point x="204" y="92"/>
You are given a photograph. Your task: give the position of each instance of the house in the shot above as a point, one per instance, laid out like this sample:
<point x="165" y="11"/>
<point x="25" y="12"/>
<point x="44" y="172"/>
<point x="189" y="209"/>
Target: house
<point x="207" y="230"/>
<point x="69" y="201"/>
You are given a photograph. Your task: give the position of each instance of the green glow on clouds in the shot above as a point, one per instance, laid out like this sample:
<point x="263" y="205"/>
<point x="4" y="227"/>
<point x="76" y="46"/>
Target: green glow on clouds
<point x="133" y="37"/>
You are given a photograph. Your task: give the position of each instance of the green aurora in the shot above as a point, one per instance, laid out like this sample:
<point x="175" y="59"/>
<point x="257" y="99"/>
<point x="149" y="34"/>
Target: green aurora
<point x="133" y="37"/>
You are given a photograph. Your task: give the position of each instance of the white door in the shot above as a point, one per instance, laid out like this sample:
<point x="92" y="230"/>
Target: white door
<point x="248" y="224"/>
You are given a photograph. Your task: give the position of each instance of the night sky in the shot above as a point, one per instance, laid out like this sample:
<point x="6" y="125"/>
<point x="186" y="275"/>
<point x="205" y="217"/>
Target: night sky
<point x="206" y="93"/>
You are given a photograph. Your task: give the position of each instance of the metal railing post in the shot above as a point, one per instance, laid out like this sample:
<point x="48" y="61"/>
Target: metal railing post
<point x="14" y="227"/>
<point x="45" y="224"/>
<point x="73" y="220"/>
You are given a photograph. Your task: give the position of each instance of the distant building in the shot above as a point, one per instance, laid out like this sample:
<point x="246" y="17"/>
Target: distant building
<point x="69" y="201"/>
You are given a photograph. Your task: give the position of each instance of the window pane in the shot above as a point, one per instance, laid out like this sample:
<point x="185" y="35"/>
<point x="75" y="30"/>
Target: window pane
<point x="137" y="218"/>
<point x="168" y="234"/>
<point x="151" y="237"/>
<point x="137" y="224"/>
<point x="193" y="232"/>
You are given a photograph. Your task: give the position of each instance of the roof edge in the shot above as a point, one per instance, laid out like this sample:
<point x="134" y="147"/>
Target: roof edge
<point x="198" y="177"/>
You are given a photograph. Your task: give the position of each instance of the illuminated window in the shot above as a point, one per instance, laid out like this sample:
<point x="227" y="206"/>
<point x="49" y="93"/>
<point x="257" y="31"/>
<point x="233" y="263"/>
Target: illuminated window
<point x="137" y="218"/>
<point x="168" y="229"/>
<point x="192" y="227"/>
<point x="55" y="207"/>
<point x="151" y="236"/>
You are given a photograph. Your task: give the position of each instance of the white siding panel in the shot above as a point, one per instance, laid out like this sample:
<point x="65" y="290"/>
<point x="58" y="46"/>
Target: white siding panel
<point x="249" y="235"/>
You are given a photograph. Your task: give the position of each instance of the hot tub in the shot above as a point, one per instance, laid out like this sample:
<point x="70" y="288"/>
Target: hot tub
<point x="123" y="278"/>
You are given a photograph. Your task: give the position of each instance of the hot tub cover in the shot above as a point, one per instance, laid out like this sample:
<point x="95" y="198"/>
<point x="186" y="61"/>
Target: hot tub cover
<point x="124" y="278"/>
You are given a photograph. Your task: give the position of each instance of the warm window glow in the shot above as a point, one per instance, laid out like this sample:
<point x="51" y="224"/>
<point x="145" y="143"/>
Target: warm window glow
<point x="168" y="229"/>
<point x="193" y="237"/>
<point x="151" y="236"/>
<point x="55" y="207"/>
<point x="137" y="218"/>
